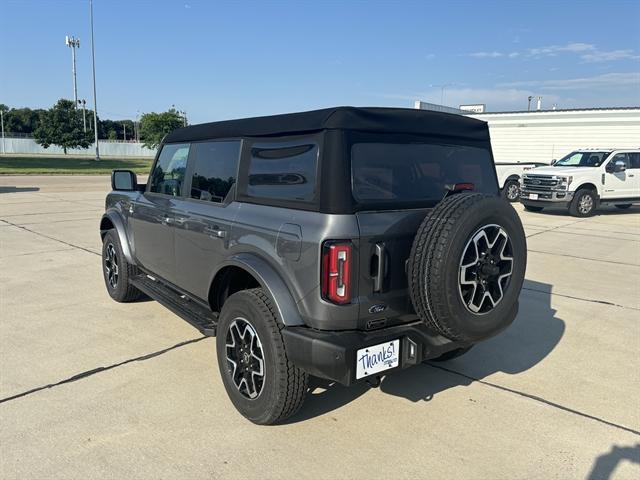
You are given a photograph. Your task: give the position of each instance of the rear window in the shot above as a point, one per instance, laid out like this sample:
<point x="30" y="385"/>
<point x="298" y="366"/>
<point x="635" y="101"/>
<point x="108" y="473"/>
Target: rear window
<point x="283" y="173"/>
<point x="405" y="173"/>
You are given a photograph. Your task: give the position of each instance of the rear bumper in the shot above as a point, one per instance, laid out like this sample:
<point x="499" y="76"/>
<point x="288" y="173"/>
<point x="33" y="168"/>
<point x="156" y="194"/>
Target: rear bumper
<point x="332" y="355"/>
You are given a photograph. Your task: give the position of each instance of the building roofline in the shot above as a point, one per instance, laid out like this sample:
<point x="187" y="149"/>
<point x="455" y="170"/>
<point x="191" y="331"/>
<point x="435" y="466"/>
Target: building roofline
<point x="559" y="110"/>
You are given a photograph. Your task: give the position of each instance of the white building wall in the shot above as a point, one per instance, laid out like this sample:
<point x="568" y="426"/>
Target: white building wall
<point x="545" y="135"/>
<point x="107" y="149"/>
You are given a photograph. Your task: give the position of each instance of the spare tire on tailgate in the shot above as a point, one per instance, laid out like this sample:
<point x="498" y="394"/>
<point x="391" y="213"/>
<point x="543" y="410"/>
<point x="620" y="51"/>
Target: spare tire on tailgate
<point x="467" y="266"/>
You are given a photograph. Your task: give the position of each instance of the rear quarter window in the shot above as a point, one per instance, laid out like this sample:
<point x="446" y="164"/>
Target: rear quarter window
<point x="283" y="173"/>
<point x="405" y="173"/>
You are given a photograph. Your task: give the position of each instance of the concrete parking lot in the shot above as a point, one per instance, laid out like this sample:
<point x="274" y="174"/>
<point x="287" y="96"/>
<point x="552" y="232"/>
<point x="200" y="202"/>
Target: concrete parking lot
<point x="94" y="389"/>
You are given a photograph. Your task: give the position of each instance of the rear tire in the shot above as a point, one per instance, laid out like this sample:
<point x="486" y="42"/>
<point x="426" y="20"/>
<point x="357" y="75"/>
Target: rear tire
<point x="584" y="203"/>
<point x="249" y="341"/>
<point x="511" y="191"/>
<point x="624" y="207"/>
<point x="117" y="271"/>
<point x="467" y="266"/>
<point x="532" y="208"/>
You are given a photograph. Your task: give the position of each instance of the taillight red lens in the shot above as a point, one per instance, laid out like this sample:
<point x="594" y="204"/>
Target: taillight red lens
<point x="336" y="272"/>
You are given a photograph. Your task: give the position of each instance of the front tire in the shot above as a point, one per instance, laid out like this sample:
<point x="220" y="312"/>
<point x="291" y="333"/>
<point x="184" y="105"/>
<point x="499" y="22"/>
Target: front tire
<point x="117" y="271"/>
<point x="511" y="191"/>
<point x="584" y="203"/>
<point x="261" y="382"/>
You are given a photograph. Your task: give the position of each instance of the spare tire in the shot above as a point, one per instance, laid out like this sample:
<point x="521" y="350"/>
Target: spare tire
<point x="467" y="266"/>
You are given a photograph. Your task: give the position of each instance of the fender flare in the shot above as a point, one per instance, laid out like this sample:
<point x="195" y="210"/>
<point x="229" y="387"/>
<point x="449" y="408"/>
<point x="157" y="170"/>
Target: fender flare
<point x="118" y="224"/>
<point x="271" y="282"/>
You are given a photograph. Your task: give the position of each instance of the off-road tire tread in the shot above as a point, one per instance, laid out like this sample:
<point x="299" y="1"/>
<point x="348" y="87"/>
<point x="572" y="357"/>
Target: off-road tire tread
<point x="426" y="276"/>
<point x="131" y="293"/>
<point x="294" y="384"/>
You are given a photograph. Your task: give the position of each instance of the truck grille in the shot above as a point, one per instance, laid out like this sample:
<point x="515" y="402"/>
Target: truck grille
<point x="539" y="183"/>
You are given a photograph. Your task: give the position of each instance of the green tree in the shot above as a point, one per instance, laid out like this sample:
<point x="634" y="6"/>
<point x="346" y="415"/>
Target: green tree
<point x="154" y="126"/>
<point x="22" y="120"/>
<point x="62" y="126"/>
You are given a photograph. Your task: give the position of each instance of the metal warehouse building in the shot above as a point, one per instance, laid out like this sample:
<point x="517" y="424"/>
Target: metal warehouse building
<point x="542" y="135"/>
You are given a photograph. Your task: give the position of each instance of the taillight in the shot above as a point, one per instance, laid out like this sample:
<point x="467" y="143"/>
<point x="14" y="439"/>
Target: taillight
<point x="336" y="272"/>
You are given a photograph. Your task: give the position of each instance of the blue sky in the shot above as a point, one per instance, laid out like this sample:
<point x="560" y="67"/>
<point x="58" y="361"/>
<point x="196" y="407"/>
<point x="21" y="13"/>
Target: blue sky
<point x="219" y="60"/>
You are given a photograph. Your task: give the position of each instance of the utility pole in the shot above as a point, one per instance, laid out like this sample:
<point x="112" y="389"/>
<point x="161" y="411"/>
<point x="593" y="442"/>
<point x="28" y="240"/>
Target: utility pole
<point x="2" y="122"/>
<point x="124" y="126"/>
<point x="73" y="43"/>
<point x="95" y="101"/>
<point x="83" y="102"/>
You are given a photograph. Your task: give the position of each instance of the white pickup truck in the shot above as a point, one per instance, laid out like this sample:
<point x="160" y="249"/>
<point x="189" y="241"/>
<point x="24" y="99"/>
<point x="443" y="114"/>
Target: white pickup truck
<point x="510" y="177"/>
<point x="584" y="180"/>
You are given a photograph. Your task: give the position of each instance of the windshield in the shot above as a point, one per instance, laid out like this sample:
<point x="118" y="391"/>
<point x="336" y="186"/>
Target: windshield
<point x="582" y="159"/>
<point x="415" y="174"/>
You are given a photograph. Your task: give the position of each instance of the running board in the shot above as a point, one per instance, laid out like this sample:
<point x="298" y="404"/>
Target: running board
<point x="198" y="316"/>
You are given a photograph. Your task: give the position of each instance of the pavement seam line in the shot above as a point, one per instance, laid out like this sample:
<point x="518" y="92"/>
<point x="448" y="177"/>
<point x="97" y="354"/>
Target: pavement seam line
<point x="584" y="258"/>
<point x="554" y="228"/>
<point x="537" y="399"/>
<point x="592" y="235"/>
<point x="50" y="238"/>
<point x="603" y="302"/>
<point x="89" y="373"/>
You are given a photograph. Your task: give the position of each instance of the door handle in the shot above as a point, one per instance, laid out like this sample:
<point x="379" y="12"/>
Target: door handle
<point x="380" y="273"/>
<point x="216" y="232"/>
<point x="179" y="220"/>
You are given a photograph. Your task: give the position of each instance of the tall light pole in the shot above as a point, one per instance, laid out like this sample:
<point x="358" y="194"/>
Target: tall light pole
<point x="73" y="43"/>
<point x="95" y="101"/>
<point x="2" y="123"/>
<point x="442" y="87"/>
<point x="136" y="127"/>
<point x="83" y="102"/>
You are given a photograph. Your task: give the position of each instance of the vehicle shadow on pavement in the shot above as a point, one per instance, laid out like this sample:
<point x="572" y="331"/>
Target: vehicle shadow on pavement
<point x="533" y="335"/>
<point x="606" y="463"/>
<point x="18" y="189"/>
<point x="602" y="211"/>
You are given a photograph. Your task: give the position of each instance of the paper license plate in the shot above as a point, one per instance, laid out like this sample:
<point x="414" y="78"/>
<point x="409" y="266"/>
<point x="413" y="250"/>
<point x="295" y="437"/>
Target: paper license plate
<point x="533" y="196"/>
<point x="377" y="358"/>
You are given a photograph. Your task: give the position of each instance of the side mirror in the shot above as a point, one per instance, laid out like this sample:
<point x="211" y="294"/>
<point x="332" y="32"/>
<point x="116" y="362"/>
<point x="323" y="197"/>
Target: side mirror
<point x="124" y="180"/>
<point x="616" y="167"/>
<point x="553" y="162"/>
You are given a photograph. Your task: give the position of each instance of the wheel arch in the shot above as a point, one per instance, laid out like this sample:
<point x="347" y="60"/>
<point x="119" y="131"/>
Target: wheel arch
<point x="113" y="221"/>
<point x="253" y="267"/>
<point x="587" y="186"/>
<point x="513" y="176"/>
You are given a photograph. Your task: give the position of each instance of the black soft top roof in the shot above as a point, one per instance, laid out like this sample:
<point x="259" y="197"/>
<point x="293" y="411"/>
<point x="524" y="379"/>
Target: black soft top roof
<point x="368" y="119"/>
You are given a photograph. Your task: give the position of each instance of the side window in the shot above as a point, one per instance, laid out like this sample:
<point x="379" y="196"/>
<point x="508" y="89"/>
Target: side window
<point x="168" y="175"/>
<point x="621" y="157"/>
<point x="215" y="170"/>
<point x="634" y="160"/>
<point x="283" y="173"/>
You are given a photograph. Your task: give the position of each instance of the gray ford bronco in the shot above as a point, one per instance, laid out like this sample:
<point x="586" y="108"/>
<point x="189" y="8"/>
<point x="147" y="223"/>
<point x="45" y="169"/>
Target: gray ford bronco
<point x="344" y="243"/>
